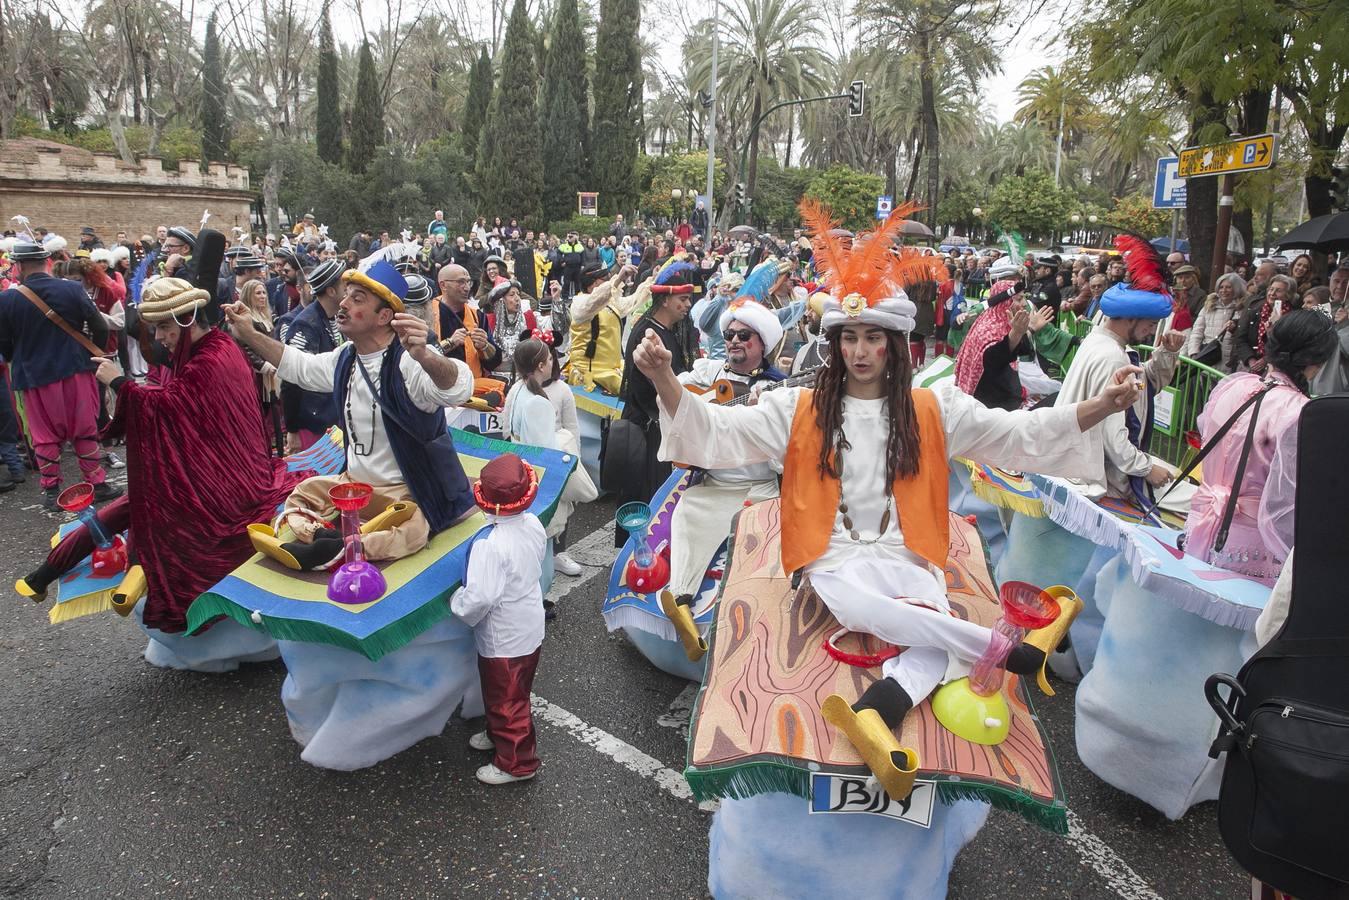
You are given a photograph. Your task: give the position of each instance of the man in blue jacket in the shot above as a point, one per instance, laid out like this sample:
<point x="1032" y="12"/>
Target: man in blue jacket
<point x="52" y="371"/>
<point x="314" y="330"/>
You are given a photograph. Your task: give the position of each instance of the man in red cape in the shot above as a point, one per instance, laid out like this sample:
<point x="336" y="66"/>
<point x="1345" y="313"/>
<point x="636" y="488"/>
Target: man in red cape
<point x="199" y="469"/>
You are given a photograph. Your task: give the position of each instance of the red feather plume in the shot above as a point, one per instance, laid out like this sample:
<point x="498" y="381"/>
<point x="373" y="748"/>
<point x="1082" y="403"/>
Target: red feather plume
<point x="1143" y="263"/>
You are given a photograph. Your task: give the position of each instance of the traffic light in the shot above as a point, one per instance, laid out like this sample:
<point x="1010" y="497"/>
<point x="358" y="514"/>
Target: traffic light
<point x="856" y="97"/>
<point x="740" y="193"/>
<point x="1339" y="188"/>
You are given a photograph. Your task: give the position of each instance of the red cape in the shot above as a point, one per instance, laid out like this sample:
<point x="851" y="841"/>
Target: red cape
<point x="199" y="471"/>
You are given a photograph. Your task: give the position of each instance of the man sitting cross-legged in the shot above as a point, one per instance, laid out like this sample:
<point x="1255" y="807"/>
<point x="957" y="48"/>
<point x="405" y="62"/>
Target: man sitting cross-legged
<point x="391" y="390"/>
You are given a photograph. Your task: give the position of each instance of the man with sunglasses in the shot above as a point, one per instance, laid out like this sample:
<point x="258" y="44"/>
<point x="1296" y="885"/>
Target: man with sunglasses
<point x="703" y="517"/>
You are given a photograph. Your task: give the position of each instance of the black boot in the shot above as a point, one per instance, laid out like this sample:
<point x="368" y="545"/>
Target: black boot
<point x="890" y="700"/>
<point x="104" y="491"/>
<point x="326" y="547"/>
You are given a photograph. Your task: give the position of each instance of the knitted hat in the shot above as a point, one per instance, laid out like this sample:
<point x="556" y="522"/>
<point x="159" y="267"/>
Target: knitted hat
<point x="758" y="317"/>
<point x="325" y="275"/>
<point x="419" y="290"/>
<point x="28" y="251"/>
<point x="506" y="486"/>
<point x="166" y="298"/>
<point x="184" y="235"/>
<point x="382" y="280"/>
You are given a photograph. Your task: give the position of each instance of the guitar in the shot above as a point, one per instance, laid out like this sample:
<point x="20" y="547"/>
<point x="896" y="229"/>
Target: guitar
<point x="725" y="392"/>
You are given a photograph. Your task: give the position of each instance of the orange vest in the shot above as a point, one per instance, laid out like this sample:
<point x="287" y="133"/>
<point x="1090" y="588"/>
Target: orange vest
<point x="810" y="500"/>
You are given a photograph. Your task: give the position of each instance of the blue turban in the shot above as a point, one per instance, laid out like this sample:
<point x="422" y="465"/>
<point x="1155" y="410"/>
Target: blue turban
<point x="1123" y="302"/>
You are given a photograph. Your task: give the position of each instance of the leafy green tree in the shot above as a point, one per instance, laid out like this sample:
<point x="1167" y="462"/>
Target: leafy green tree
<point x="958" y="204"/>
<point x="618" y="105"/>
<point x="1135" y="213"/>
<point x="215" y="137"/>
<point x="1030" y="204"/>
<point x="850" y="194"/>
<point x="687" y="173"/>
<point x="329" y="105"/>
<point x="561" y="115"/>
<point x="780" y="190"/>
<point x="479" y="100"/>
<point x="509" y="171"/>
<point x="770" y="51"/>
<point x="367" y="114"/>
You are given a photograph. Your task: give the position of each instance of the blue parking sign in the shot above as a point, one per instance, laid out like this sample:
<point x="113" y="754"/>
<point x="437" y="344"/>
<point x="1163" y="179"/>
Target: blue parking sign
<point x="1168" y="191"/>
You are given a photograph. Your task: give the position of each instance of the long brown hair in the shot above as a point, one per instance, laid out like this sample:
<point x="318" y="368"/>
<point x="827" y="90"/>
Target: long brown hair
<point x="901" y="446"/>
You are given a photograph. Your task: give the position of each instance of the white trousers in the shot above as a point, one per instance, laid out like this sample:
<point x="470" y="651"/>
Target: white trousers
<point x="701" y="521"/>
<point x="864" y="595"/>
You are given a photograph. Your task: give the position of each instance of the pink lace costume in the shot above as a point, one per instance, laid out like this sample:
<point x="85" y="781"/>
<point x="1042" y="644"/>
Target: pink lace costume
<point x="1261" y="533"/>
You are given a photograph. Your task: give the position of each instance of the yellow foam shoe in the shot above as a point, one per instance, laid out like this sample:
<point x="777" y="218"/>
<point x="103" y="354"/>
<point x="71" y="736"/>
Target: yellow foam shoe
<point x="26" y="590"/>
<point x="894" y="766"/>
<point x="130" y="591"/>
<point x="1047" y="639"/>
<point x="394" y="514"/>
<point x="681" y="617"/>
<point x="265" y="541"/>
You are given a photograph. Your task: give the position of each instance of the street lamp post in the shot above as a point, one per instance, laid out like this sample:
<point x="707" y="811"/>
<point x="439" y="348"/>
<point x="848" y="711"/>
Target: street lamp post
<point x="676" y="203"/>
<point x="979" y="214"/>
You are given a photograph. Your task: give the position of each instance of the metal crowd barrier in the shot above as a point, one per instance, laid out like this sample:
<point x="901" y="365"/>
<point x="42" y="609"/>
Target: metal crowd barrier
<point x="1185" y="398"/>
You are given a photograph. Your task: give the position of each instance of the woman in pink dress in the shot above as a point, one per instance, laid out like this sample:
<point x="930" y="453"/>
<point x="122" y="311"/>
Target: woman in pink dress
<point x="1261" y="532"/>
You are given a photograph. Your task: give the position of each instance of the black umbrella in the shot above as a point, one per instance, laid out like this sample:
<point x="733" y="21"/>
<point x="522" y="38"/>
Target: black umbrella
<point x="744" y="232"/>
<point x="1324" y="233"/>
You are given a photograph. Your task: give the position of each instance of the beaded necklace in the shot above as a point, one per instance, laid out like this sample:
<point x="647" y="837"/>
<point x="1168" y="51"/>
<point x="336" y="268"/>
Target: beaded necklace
<point x="358" y="446"/>
<point x="848" y="525"/>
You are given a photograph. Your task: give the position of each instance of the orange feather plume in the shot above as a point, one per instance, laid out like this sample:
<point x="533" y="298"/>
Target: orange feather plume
<point x="871" y="264"/>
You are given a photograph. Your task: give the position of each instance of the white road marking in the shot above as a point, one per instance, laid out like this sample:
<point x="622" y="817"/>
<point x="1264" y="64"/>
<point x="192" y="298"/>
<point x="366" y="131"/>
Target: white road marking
<point x="592" y="552"/>
<point x="620" y="751"/>
<point x="677" y="716"/>
<point x="1108" y="864"/>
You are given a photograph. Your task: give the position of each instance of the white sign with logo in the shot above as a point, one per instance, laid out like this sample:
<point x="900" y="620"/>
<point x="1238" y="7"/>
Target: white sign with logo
<point x="833" y="793"/>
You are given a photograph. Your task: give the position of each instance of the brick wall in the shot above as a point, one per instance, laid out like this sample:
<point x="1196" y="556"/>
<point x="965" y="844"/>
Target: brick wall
<point x="63" y="188"/>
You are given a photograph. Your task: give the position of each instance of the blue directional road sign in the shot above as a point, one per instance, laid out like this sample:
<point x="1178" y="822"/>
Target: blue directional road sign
<point x="1168" y="192"/>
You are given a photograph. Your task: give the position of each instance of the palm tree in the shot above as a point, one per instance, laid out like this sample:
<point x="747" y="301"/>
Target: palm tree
<point x="1050" y="96"/>
<point x="950" y="37"/>
<point x="1128" y="142"/>
<point x="770" y="52"/>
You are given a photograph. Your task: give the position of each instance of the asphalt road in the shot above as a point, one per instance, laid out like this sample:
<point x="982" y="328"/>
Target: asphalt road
<point x="121" y="780"/>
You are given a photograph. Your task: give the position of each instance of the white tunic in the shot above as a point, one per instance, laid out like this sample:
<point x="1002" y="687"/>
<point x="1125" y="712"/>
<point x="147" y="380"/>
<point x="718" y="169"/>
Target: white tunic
<point x="501" y="598"/>
<point x="704" y="374"/>
<point x="1046" y="441"/>
<point x="1099" y="357"/>
<point x="318" y="372"/>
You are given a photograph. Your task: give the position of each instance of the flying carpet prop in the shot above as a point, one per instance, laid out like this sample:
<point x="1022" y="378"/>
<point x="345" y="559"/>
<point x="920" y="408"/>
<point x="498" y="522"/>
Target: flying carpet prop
<point x="757" y="726"/>
<point x="294" y="606"/>
<point x="81" y="593"/>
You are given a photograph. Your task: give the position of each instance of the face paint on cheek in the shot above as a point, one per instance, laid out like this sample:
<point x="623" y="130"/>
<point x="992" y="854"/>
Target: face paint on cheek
<point x="358" y="315"/>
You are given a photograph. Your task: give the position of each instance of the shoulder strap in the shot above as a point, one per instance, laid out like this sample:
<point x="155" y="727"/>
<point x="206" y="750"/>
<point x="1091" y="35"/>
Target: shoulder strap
<point x="60" y="322"/>
<point x="1213" y="442"/>
<point x="1221" y="539"/>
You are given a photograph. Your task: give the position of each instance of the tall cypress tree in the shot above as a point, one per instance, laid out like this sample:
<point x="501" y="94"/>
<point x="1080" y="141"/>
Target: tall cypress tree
<point x="215" y="137"/>
<point x="510" y="154"/>
<point x="329" y="95"/>
<point x="562" y="112"/>
<point x="477" y="102"/>
<point x="367" y="114"/>
<point x="618" y="105"/>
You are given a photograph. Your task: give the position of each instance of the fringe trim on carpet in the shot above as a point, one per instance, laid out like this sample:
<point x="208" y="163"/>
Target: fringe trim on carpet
<point x="1074" y="513"/>
<point x="210" y="606"/>
<point x="87" y="605"/>
<point x="640" y="620"/>
<point x="1027" y="506"/>
<point x="750" y="779"/>
<point x="1191" y="599"/>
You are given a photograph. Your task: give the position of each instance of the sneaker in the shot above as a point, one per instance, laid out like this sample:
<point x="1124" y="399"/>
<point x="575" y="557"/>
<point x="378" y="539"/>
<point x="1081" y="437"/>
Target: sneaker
<point x="112" y="461"/>
<point x="481" y="741"/>
<point x="49" y="496"/>
<point x="104" y="491"/>
<point x="565" y="565"/>
<point x="490" y="774"/>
